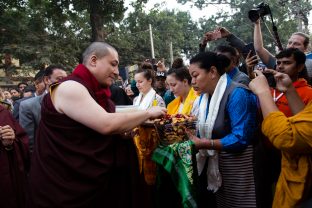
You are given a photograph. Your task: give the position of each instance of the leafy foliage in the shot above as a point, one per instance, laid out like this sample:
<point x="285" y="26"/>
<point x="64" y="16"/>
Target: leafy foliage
<point x="238" y="23"/>
<point x="41" y="32"/>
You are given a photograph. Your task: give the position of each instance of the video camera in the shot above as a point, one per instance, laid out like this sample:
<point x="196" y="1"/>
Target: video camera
<point x="260" y="11"/>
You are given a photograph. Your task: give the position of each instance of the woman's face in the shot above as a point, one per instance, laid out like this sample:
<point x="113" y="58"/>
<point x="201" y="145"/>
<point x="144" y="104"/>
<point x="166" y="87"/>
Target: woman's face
<point x="201" y="79"/>
<point x="142" y="83"/>
<point x="177" y="87"/>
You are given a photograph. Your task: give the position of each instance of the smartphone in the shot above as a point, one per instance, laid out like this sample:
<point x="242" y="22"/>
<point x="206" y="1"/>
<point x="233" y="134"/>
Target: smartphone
<point x="247" y="48"/>
<point x="270" y="78"/>
<point x="119" y="83"/>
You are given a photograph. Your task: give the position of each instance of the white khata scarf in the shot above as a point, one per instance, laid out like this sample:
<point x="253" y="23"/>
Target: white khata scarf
<point x="205" y="126"/>
<point x="147" y="100"/>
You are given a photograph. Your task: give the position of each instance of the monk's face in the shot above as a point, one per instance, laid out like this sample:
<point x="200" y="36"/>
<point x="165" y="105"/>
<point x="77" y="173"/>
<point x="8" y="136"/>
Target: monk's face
<point x="107" y="69"/>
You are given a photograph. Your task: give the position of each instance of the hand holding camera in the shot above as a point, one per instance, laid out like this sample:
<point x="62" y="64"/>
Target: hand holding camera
<point x="259" y="84"/>
<point x="260" y="11"/>
<point x="212" y="35"/>
<point x="216" y="34"/>
<point x="224" y="32"/>
<point x="283" y="81"/>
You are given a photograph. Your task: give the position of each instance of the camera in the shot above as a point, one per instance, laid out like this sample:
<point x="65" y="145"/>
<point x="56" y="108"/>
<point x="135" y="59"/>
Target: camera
<point x="260" y="11"/>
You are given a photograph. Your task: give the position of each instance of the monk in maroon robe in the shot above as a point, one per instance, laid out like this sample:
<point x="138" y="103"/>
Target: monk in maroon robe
<point x="14" y="161"/>
<point x="78" y="161"/>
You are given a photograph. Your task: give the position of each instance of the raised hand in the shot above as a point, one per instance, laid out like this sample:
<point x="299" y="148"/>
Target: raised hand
<point x="224" y="32"/>
<point x="283" y="81"/>
<point x="259" y="84"/>
<point x="251" y="61"/>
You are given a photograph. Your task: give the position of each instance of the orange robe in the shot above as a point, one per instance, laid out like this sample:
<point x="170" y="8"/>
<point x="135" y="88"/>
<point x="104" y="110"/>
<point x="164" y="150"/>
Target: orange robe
<point x="293" y="137"/>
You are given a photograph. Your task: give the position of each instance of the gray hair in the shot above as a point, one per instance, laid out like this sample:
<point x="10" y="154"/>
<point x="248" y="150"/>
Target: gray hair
<point x="99" y="49"/>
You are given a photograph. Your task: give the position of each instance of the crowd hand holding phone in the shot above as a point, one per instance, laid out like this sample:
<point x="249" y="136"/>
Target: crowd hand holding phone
<point x="259" y="84"/>
<point x="128" y="90"/>
<point x="251" y="61"/>
<point x="283" y="81"/>
<point x="224" y="32"/>
<point x="161" y="66"/>
<point x="212" y="35"/>
<point x="218" y="33"/>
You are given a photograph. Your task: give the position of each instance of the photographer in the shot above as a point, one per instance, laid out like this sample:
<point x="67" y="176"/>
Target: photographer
<point x="291" y="62"/>
<point x="297" y="40"/>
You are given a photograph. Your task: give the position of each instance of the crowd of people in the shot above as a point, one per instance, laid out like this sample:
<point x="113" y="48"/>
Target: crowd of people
<point x="64" y="145"/>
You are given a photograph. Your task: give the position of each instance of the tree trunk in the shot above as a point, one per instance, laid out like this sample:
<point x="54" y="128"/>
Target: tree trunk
<point x="96" y="21"/>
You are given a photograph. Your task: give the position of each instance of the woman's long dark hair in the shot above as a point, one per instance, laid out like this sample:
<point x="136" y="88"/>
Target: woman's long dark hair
<point x="206" y="60"/>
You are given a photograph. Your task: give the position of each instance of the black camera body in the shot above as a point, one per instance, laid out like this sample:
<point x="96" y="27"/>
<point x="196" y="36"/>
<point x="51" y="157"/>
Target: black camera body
<point x="260" y="11"/>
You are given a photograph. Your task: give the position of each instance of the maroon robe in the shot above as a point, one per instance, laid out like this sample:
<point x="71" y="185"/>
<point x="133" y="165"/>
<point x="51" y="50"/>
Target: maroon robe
<point x="13" y="165"/>
<point x="75" y="166"/>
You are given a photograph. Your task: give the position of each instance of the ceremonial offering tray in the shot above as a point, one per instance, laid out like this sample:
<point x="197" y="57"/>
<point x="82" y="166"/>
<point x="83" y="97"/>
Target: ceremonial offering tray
<point x="172" y="128"/>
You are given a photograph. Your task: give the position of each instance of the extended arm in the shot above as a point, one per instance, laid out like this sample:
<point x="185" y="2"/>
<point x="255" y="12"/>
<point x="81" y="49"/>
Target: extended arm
<point x="265" y="56"/>
<point x="260" y="87"/>
<point x="73" y="99"/>
<point x="242" y="111"/>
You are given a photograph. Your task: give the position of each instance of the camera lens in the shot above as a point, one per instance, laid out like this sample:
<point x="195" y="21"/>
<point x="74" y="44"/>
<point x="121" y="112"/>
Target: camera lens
<point x="260" y="11"/>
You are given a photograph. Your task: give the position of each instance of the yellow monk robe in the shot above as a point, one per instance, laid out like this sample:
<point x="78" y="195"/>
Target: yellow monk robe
<point x="173" y="106"/>
<point x="293" y="136"/>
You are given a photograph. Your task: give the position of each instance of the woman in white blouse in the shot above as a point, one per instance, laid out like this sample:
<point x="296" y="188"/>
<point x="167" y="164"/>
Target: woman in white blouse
<point x="148" y="97"/>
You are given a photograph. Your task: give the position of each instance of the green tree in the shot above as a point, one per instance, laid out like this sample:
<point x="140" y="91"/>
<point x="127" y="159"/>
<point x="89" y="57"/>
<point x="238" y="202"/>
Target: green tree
<point x="133" y="41"/>
<point x="239" y="24"/>
<point x="103" y="14"/>
<point x="51" y="31"/>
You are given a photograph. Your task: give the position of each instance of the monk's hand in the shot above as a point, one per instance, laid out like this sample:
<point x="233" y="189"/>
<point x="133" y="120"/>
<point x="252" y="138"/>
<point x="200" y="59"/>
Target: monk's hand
<point x="156" y="112"/>
<point x="7" y="135"/>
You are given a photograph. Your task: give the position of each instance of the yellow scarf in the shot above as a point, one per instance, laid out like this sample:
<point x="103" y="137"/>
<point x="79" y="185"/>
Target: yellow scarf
<point x="173" y="107"/>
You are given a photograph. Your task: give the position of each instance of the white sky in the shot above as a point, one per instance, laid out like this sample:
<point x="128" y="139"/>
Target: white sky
<point x="194" y="11"/>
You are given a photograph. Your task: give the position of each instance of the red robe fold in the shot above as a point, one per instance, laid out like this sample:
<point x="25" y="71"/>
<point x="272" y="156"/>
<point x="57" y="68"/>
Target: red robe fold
<point x="13" y="165"/>
<point x="75" y="166"/>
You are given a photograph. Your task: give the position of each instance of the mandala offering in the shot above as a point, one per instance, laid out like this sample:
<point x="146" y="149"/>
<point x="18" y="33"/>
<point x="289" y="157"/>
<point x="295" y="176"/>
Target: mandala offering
<point x="172" y="128"/>
<point x="164" y="131"/>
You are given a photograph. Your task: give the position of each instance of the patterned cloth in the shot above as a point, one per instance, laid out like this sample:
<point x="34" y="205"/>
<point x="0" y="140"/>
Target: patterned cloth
<point x="146" y="140"/>
<point x="179" y="161"/>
